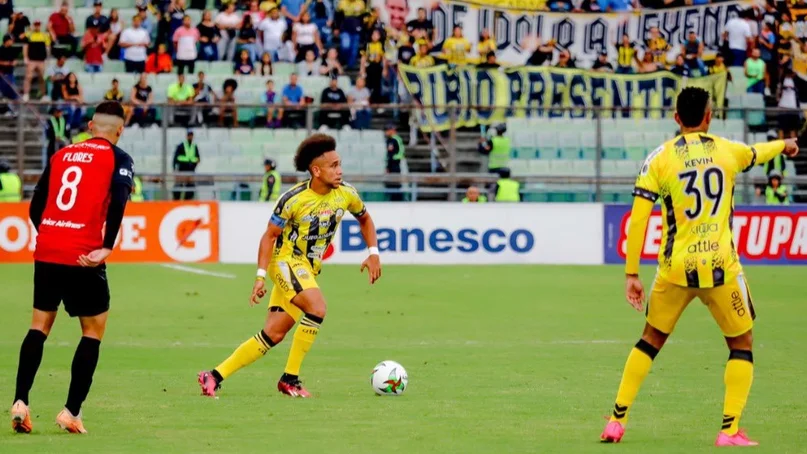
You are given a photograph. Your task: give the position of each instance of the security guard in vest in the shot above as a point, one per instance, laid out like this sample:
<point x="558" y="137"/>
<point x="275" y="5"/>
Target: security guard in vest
<point x="778" y="163"/>
<point x="472" y="195"/>
<point x="186" y="158"/>
<point x="776" y="192"/>
<point x="10" y="184"/>
<point x="507" y="189"/>
<point x="396" y="152"/>
<point x="137" y="191"/>
<point x="497" y="148"/>
<point x="83" y="135"/>
<point x="270" y="188"/>
<point x="57" y="131"/>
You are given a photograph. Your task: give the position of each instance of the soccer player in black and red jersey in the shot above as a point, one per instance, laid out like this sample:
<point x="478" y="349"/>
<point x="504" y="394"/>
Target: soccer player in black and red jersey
<point x="84" y="185"/>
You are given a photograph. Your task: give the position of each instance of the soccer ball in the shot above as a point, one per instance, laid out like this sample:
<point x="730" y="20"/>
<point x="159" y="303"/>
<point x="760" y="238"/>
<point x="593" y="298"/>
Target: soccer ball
<point x="389" y="379"/>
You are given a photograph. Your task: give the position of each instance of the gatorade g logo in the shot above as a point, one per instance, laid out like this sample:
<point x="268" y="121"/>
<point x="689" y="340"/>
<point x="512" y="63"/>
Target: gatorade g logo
<point x="185" y="233"/>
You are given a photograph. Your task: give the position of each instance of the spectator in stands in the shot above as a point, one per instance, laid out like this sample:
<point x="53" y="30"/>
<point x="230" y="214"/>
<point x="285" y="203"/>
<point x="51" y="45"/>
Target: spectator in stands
<point x="305" y="37"/>
<point x="255" y="12"/>
<point x="396" y="152"/>
<point x="209" y="37"/>
<point x="271" y="183"/>
<point x="8" y="57"/>
<point x="359" y="100"/>
<point x="74" y="96"/>
<point x="617" y="6"/>
<point x="114" y="24"/>
<point x="372" y="66"/>
<point x="485" y="46"/>
<point x="18" y="26"/>
<point x="97" y="19"/>
<point x="786" y="33"/>
<point x="228" y="22"/>
<point x="350" y="31"/>
<point x="767" y="48"/>
<point x="227" y="103"/>
<point x="397" y="10"/>
<point x="421" y="25"/>
<point x="159" y="62"/>
<point x="472" y="195"/>
<point x="243" y="65"/>
<point x="331" y="66"/>
<point x="649" y="63"/>
<point x="271" y="31"/>
<point x="693" y="54"/>
<point x="719" y="66"/>
<point x="543" y="52"/>
<point x="293" y="96"/>
<point x="265" y="66"/>
<point x="186" y="158"/>
<point x="405" y="50"/>
<point x="456" y="48"/>
<point x="788" y="98"/>
<point x="114" y="93"/>
<point x="322" y="16"/>
<point x="287" y="53"/>
<point x="142" y="99"/>
<point x="180" y="95"/>
<point x="565" y="60"/>
<point x="292" y="10"/>
<point x="135" y="42"/>
<point x="176" y="15"/>
<point x="776" y="193"/>
<point x="333" y="96"/>
<point x="626" y="55"/>
<point x="248" y="39"/>
<point x="6" y="9"/>
<point x="202" y="98"/>
<point x="490" y="62"/>
<point x="422" y="59"/>
<point x="680" y="68"/>
<point x="61" y="28"/>
<point x="497" y="147"/>
<point x="507" y="189"/>
<point x="310" y="66"/>
<point x="601" y="64"/>
<point x="57" y="132"/>
<point x="34" y="53"/>
<point x="738" y="34"/>
<point x="274" y="116"/>
<point x="658" y="47"/>
<point x="56" y="75"/>
<point x="755" y="72"/>
<point x="186" y="38"/>
<point x="146" y="21"/>
<point x="94" y="46"/>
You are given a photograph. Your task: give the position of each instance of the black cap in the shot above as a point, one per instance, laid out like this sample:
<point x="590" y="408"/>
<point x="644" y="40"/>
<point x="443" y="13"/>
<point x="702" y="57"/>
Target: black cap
<point x="270" y="162"/>
<point x="4" y="166"/>
<point x="604" y="53"/>
<point x="98" y="3"/>
<point x="7" y="37"/>
<point x="389" y="126"/>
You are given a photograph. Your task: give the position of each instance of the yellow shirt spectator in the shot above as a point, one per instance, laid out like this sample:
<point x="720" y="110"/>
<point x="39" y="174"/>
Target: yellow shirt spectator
<point x="352" y="8"/>
<point x="485" y="47"/>
<point x="374" y="52"/>
<point x="455" y="50"/>
<point x="422" y="61"/>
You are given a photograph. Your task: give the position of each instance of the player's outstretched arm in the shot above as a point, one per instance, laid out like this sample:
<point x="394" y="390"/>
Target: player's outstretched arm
<point x="765" y="151"/>
<point x="372" y="262"/>
<point x="640" y="214"/>
<point x="265" y="250"/>
<point x="40" y="198"/>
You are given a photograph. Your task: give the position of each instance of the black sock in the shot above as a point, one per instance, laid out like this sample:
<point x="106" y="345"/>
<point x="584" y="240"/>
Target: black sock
<point x="84" y="362"/>
<point x="217" y="376"/>
<point x="30" y="358"/>
<point x="289" y="378"/>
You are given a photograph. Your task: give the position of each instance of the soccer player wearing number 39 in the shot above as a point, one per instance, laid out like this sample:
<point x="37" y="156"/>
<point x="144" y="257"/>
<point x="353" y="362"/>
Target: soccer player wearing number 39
<point x="84" y="185"/>
<point x="693" y="175"/>
<point x="300" y="229"/>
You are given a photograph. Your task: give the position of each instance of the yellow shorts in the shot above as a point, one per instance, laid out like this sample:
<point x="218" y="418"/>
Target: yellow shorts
<point x="730" y="305"/>
<point x="290" y="277"/>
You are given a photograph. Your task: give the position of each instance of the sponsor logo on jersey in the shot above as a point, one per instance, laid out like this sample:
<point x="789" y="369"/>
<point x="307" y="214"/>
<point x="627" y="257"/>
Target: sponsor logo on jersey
<point x="737" y="303"/>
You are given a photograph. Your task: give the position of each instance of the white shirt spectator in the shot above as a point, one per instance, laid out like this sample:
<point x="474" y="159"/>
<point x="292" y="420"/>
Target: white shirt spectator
<point x="306" y="34"/>
<point x="186" y="39"/>
<point x="137" y="36"/>
<point x="228" y="21"/>
<point x="359" y="97"/>
<point x="272" y="32"/>
<point x="739" y="32"/>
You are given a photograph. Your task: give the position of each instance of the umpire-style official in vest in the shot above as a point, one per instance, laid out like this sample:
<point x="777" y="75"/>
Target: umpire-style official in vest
<point x="507" y="189"/>
<point x="186" y="158"/>
<point x="497" y="148"/>
<point x="10" y="184"/>
<point x="57" y="131"/>
<point x="270" y="186"/>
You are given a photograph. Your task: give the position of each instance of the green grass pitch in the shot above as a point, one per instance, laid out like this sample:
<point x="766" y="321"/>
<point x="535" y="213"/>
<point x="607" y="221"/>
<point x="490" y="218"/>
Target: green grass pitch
<point x="501" y="359"/>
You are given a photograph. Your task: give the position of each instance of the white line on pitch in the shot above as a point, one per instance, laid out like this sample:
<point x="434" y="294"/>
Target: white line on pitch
<point x="188" y="269"/>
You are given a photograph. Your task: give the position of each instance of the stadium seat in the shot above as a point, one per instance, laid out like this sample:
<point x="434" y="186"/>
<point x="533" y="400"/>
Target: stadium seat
<point x="562" y="167"/>
<point x="635" y="145"/>
<point x="569" y="145"/>
<point x="523" y="145"/>
<point x="546" y="144"/>
<point x="755" y="101"/>
<point x="520" y="167"/>
<point x="588" y="144"/>
<point x="613" y="145"/>
<point x="583" y="168"/>
<point x="540" y="167"/>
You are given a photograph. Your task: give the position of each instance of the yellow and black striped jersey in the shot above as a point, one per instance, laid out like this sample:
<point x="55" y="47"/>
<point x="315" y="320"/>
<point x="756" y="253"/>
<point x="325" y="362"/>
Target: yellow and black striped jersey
<point x="694" y="175"/>
<point x="309" y="221"/>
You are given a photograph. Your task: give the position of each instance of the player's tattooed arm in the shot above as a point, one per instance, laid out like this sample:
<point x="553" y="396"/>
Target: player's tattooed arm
<point x="372" y="263"/>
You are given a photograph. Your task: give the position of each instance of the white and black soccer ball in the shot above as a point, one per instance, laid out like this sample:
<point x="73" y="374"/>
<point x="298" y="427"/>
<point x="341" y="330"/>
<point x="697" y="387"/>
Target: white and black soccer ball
<point x="389" y="379"/>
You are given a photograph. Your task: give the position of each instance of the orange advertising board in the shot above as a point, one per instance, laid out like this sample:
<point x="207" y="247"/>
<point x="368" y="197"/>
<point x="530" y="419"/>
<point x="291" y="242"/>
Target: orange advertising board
<point x="151" y="232"/>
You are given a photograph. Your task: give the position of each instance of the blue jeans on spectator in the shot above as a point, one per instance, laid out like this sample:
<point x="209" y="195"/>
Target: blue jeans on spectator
<point x="738" y="57"/>
<point x="624" y="70"/>
<point x="324" y="30"/>
<point x="350" y="48"/>
<point x="208" y="52"/>
<point x="362" y="120"/>
<point x="758" y="87"/>
<point x="93" y="68"/>
<point x="72" y="115"/>
<point x="7" y="84"/>
<point x="697" y="64"/>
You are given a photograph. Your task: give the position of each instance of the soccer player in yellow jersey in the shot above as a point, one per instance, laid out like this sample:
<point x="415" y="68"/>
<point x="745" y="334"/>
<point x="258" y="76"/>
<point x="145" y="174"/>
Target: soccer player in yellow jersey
<point x="693" y="175"/>
<point x="299" y="231"/>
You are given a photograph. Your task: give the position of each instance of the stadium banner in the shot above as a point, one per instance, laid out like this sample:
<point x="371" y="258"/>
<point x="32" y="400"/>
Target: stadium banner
<point x="440" y="233"/>
<point x="151" y="232"/>
<point x="762" y="234"/>
<point x="514" y="24"/>
<point x="489" y="96"/>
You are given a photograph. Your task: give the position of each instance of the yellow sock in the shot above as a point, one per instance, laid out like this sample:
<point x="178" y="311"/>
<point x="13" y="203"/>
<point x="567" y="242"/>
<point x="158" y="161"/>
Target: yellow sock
<point x="738" y="378"/>
<point x="304" y="337"/>
<point x="247" y="353"/>
<point x="640" y="360"/>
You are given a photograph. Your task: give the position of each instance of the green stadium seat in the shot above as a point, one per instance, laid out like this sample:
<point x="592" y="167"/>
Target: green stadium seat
<point x="540" y="167"/>
<point x="562" y="167"/>
<point x="519" y="167"/>
<point x="547" y="144"/>
<point x="755" y="101"/>
<point x="588" y="144"/>
<point x="569" y="145"/>
<point x="523" y="144"/>
<point x="635" y="146"/>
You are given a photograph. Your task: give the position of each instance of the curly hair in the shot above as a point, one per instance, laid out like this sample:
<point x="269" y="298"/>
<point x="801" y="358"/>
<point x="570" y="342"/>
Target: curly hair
<point x="311" y="148"/>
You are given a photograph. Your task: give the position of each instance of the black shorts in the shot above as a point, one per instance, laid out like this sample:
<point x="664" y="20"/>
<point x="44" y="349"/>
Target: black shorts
<point x="84" y="291"/>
